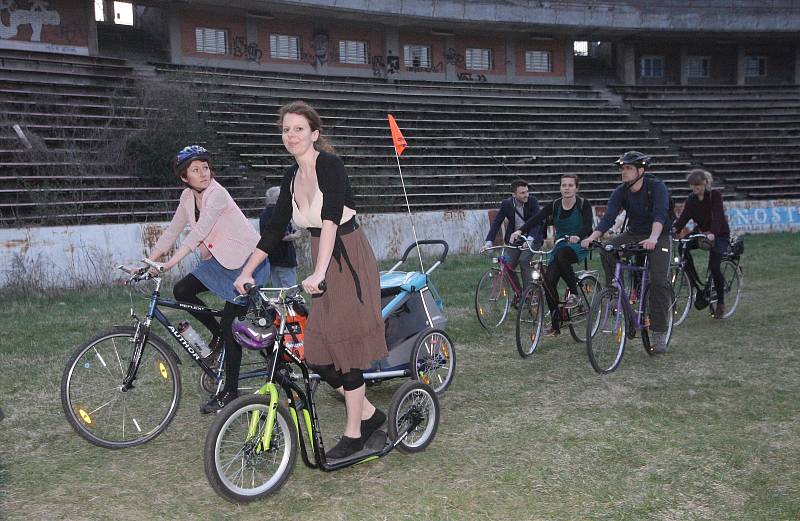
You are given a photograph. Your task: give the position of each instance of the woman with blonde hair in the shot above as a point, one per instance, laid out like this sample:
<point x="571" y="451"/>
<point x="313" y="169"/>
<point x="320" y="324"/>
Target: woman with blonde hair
<point x="705" y="207"/>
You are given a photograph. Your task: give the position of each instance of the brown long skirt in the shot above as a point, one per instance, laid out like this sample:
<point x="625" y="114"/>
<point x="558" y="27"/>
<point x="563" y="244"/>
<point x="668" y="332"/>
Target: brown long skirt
<point x="342" y="330"/>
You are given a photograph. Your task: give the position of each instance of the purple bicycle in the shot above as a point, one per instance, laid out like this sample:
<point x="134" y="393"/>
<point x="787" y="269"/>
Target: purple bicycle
<point x="621" y="309"/>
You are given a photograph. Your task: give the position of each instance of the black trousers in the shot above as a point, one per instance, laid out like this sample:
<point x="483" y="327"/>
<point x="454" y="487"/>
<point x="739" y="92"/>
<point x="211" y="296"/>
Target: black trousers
<point x="186" y="290"/>
<point x="561" y="267"/>
<point x="714" y="265"/>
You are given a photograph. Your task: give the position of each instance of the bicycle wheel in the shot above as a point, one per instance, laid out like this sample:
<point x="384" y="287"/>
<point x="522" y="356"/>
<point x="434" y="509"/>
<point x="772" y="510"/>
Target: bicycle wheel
<point x="605" y="331"/>
<point x="683" y="294"/>
<point x="647" y="329"/>
<point x="588" y="287"/>
<point x="433" y="360"/>
<point x="238" y="466"/>
<point x="96" y="406"/>
<point x="530" y="318"/>
<point x="415" y="408"/>
<point x="492" y="298"/>
<point x="732" y="274"/>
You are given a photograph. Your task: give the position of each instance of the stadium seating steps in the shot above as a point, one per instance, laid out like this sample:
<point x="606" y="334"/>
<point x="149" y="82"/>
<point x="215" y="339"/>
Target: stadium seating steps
<point x="467" y="142"/>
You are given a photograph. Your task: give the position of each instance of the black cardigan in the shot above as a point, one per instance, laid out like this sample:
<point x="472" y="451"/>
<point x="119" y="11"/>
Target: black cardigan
<point x="336" y="194"/>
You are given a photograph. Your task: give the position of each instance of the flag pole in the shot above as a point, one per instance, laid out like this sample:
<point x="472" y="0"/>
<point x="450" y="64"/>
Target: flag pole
<point x="408" y="207"/>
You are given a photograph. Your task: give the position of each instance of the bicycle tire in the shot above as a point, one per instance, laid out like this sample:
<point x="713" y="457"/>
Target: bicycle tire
<point x="606" y="331"/>
<point x="91" y="395"/>
<point x="588" y="286"/>
<point x="413" y="401"/>
<point x="530" y="320"/>
<point x="492" y="299"/>
<point x="646" y="330"/>
<point x="433" y="360"/>
<point x="232" y="460"/>
<point x="683" y="294"/>
<point x="734" y="282"/>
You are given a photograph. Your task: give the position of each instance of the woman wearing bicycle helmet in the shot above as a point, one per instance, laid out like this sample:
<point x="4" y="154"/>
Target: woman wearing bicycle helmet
<point x="345" y="331"/>
<point x="571" y="216"/>
<point x="704" y="207"/>
<point x="224" y="238"/>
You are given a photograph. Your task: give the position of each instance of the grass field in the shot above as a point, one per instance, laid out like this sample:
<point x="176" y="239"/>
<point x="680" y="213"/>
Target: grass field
<point x="709" y="431"/>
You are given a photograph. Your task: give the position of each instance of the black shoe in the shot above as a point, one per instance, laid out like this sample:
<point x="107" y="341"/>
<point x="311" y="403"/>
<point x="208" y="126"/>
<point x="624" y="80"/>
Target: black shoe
<point x="217" y="402"/>
<point x="345" y="448"/>
<point x="368" y="427"/>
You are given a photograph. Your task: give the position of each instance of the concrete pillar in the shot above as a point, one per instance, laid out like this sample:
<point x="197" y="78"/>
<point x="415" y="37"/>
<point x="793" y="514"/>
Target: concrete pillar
<point x="797" y="64"/>
<point x="393" y="49"/>
<point x="629" y="65"/>
<point x="569" y="61"/>
<point x="511" y="60"/>
<point x="108" y="11"/>
<point x="740" y="64"/>
<point x="174" y="27"/>
<point x="450" y="73"/>
<point x="94" y="48"/>
<point x="684" y="63"/>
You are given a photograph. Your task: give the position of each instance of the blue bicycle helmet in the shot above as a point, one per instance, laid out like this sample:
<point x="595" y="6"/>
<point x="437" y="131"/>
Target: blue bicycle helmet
<point x="189" y="154"/>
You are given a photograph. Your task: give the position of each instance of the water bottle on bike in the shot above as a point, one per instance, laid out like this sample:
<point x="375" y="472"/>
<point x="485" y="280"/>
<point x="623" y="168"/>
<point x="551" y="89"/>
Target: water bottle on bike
<point x="193" y="337"/>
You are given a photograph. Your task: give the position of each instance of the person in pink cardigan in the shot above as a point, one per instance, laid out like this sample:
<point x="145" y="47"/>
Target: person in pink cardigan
<point x="225" y="240"/>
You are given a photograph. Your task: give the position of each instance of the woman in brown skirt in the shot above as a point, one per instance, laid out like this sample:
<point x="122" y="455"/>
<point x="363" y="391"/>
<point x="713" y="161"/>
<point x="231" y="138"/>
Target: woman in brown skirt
<point x="345" y="331"/>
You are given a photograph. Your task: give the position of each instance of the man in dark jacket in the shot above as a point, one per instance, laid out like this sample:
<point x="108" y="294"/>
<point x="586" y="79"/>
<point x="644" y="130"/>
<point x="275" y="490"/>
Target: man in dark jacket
<point x="645" y="200"/>
<point x="515" y="210"/>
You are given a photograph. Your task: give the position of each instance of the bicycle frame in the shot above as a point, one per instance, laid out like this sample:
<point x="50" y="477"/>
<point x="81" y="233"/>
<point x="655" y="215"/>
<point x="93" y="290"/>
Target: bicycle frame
<point x="623" y="298"/>
<point x="300" y="399"/>
<point x="143" y="330"/>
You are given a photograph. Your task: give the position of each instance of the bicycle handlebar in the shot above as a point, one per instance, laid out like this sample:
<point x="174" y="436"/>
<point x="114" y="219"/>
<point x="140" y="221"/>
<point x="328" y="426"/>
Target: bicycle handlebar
<point x="690" y="237"/>
<point x="629" y="248"/>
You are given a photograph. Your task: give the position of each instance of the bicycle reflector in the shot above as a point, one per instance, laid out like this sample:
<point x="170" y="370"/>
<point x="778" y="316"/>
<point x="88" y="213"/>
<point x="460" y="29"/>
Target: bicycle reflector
<point x="254" y="333"/>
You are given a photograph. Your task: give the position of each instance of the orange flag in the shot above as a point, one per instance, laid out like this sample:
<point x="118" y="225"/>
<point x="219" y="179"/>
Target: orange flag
<point x="397" y="137"/>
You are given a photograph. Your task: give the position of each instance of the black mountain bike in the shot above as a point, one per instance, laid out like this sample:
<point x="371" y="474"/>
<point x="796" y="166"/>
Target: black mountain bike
<point x="122" y="387"/>
<point x="688" y="289"/>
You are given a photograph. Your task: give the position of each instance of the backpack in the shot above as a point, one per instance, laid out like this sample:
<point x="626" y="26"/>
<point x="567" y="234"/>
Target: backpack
<point x="557" y="204"/>
<point x="648" y="187"/>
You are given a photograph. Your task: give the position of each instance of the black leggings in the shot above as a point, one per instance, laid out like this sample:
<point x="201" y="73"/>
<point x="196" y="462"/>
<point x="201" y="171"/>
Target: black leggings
<point x="714" y="265"/>
<point x="351" y="380"/>
<point x="186" y="290"/>
<point x="561" y="267"/>
<point x="233" y="351"/>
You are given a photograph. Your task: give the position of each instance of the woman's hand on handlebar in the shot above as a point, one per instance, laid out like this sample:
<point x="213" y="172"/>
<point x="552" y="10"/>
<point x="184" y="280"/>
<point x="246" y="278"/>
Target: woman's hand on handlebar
<point x="514" y="237"/>
<point x="311" y="284"/>
<point x="240" y="281"/>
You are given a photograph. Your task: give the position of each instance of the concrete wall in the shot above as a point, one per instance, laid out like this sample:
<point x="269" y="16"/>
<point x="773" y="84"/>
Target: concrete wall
<point x="72" y="256"/>
<point x="319" y="39"/>
<point x="638" y="15"/>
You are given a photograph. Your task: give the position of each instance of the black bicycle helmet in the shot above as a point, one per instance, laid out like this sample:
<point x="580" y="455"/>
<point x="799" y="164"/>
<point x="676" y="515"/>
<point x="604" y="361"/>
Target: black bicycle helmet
<point x="189" y="154"/>
<point x="634" y="158"/>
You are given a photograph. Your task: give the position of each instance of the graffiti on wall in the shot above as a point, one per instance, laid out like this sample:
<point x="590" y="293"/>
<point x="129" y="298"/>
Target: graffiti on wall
<point x="769" y="216"/>
<point x="468" y="76"/>
<point x="251" y="50"/>
<point x="36" y="16"/>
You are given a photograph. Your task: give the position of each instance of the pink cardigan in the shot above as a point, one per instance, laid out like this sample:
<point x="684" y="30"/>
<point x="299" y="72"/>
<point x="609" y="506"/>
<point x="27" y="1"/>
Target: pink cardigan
<point x="222" y="231"/>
